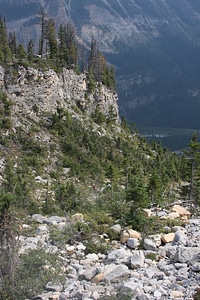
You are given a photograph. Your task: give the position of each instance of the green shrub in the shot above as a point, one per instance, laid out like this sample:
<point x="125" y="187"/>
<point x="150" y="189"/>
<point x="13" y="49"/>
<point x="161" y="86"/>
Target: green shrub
<point x="96" y="245"/>
<point x="151" y="256"/>
<point x="197" y="294"/>
<point x="98" y="117"/>
<point x="70" y="233"/>
<point x="34" y="271"/>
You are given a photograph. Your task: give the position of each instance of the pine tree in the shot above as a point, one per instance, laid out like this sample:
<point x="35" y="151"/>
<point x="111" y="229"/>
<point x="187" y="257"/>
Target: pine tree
<point x="12" y="43"/>
<point x="93" y="59"/>
<point x="98" y="67"/>
<point x="192" y="165"/>
<point x="42" y="22"/>
<point x="62" y="47"/>
<point x="68" y="46"/>
<point x="5" y="52"/>
<point x="155" y="189"/>
<point x="21" y="53"/>
<point x="30" y="53"/>
<point x="50" y="35"/>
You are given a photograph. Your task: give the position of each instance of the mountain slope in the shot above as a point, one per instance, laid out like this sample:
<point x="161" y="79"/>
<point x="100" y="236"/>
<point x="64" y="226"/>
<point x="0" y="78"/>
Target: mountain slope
<point x="154" y="46"/>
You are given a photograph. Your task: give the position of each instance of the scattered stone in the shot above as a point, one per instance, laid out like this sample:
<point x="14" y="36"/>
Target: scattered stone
<point x="38" y="218"/>
<point x="119" y="256"/>
<point x="77" y="217"/>
<point x="132" y="243"/>
<point x="173" y="272"/>
<point x="43" y="229"/>
<point x="54" y="220"/>
<point x="181" y="210"/>
<point x="116" y="227"/>
<point x="156" y="238"/>
<point x="98" y="278"/>
<point x="167" y="238"/>
<point x="147" y="212"/>
<point x="186" y="254"/>
<point x="196" y="267"/>
<point x="129" y="233"/>
<point x="53" y="287"/>
<point x="171" y="216"/>
<point x="118" y="274"/>
<point x="137" y="259"/>
<point x="149" y="245"/>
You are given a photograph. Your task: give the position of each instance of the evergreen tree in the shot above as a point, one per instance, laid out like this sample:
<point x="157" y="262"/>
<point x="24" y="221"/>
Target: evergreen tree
<point x="155" y="189"/>
<point x="42" y="22"/>
<point x="5" y="52"/>
<point x="67" y="45"/>
<point x="136" y="198"/>
<point x="21" y="53"/>
<point x="93" y="59"/>
<point x="30" y="53"/>
<point x="50" y="35"/>
<point x="63" y="51"/>
<point x="98" y="67"/>
<point x="192" y="166"/>
<point x="82" y="58"/>
<point x="12" y="43"/>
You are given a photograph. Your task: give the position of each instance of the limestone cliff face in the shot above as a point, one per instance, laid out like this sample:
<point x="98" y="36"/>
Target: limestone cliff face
<point x="31" y="88"/>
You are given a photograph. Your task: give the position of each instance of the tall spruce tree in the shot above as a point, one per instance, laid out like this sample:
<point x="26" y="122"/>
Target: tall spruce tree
<point x="12" y="43"/>
<point x="192" y="165"/>
<point x="42" y="21"/>
<point x="30" y="51"/>
<point x="93" y="60"/>
<point x="21" y="53"/>
<point x="50" y="35"/>
<point x="97" y="66"/>
<point x="5" y="52"/>
<point x="68" y="52"/>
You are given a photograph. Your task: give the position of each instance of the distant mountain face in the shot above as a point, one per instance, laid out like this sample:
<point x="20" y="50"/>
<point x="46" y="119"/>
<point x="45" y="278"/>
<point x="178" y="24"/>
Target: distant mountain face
<point x="154" y="46"/>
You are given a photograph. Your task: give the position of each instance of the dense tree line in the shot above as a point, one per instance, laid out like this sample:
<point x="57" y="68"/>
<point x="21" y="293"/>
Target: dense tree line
<point x="59" y="48"/>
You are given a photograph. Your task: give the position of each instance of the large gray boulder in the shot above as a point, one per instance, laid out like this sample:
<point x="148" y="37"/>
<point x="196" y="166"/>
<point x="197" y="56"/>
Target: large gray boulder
<point x="148" y="244"/>
<point x="119" y="256"/>
<point x="137" y="259"/>
<point x="119" y="273"/>
<point x="185" y="254"/>
<point x="132" y="243"/>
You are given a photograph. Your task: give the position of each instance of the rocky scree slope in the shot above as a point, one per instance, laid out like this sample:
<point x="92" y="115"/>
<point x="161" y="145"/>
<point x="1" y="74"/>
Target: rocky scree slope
<point x="164" y="265"/>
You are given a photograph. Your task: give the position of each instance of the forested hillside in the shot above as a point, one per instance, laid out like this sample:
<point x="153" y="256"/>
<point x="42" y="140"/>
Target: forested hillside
<point x="63" y="148"/>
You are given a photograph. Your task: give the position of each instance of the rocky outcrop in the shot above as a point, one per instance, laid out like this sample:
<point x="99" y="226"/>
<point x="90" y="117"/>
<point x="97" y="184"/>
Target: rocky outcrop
<point x="32" y="90"/>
